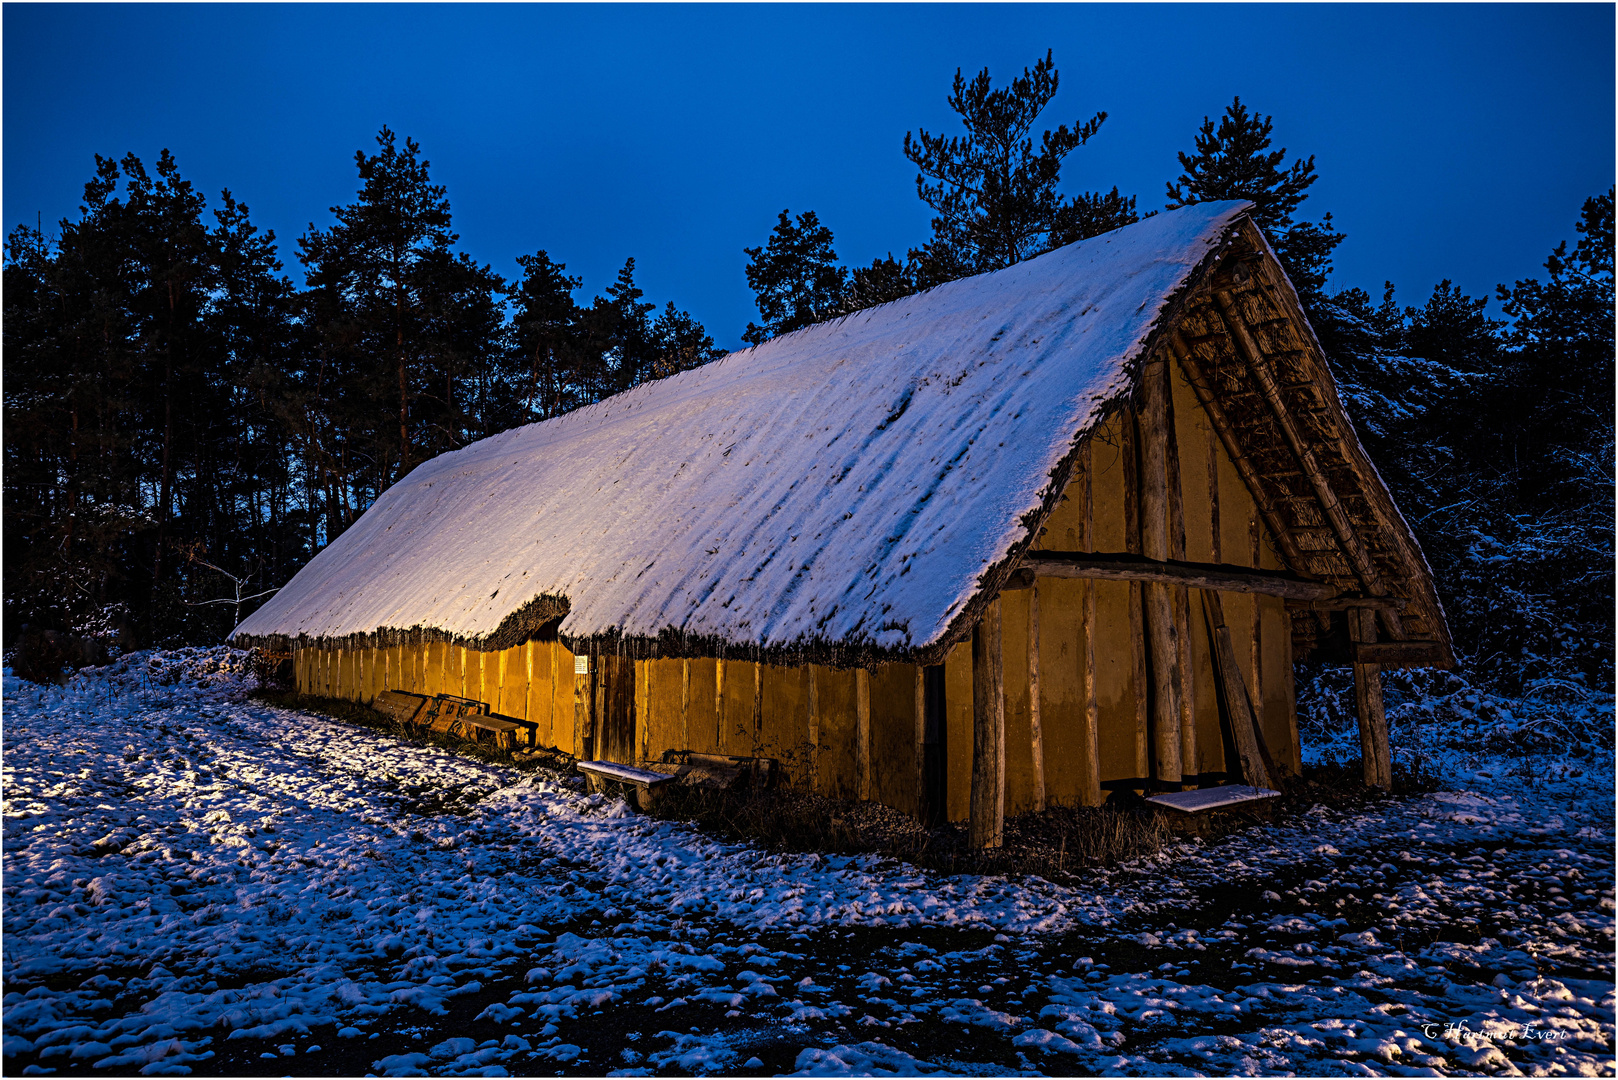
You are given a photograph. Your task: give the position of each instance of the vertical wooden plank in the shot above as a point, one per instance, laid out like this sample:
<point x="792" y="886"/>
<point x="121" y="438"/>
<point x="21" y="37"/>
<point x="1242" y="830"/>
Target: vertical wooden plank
<point x="1036" y="740"/>
<point x="813" y="697"/>
<point x="581" y="702"/>
<point x="719" y="704"/>
<point x="1374" y="751"/>
<point x="685" y="703"/>
<point x="758" y="704"/>
<point x="935" y="777"/>
<point x="1137" y="604"/>
<point x="862" y="733"/>
<point x="1245" y="729"/>
<point x="919" y="766"/>
<point x="1164" y="654"/>
<point x="1213" y="493"/>
<point x="643" y="712"/>
<point x="986" y="827"/>
<point x="1256" y="642"/>
<point x="1090" y="782"/>
<point x="552" y="712"/>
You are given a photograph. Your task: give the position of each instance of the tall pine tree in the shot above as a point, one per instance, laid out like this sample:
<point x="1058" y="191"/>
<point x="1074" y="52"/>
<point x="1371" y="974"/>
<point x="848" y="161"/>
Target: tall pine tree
<point x="795" y="277"/>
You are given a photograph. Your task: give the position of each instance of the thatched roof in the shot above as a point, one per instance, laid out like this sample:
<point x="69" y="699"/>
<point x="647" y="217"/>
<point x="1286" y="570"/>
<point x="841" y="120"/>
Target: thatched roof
<point x="850" y="492"/>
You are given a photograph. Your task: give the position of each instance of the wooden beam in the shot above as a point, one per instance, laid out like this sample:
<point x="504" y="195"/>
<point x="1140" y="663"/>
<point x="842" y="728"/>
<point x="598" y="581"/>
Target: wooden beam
<point x="919" y="742"/>
<point x="986" y="826"/>
<point x="1349" y="603"/>
<point x="1399" y="653"/>
<point x="758" y="704"/>
<point x="1259" y="365"/>
<point x="862" y="731"/>
<point x="1163" y="644"/>
<point x="1374" y="750"/>
<point x="1121" y="566"/>
<point x="1244" y="468"/>
<point x="1036" y="737"/>
<point x="1233" y="689"/>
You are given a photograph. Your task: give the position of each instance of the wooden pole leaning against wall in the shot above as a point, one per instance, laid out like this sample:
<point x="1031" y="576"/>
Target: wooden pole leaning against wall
<point x="986" y="824"/>
<point x="1373" y="721"/>
<point x="1163" y="641"/>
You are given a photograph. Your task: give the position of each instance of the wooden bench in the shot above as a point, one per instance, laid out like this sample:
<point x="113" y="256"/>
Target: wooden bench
<point x="1214" y="798"/>
<point x="723" y="771"/>
<point x="450" y="714"/>
<point x="639" y="786"/>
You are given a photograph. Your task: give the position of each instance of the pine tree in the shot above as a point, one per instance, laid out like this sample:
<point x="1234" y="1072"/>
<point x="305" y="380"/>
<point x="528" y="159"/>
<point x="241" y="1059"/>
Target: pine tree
<point x="795" y="277"/>
<point x="1233" y="160"/>
<point x="546" y="328"/>
<point x="679" y="343"/>
<point x="993" y="192"/>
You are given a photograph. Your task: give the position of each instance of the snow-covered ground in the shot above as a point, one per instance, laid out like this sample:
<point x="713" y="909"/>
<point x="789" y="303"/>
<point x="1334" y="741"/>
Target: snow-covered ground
<point x="198" y="882"/>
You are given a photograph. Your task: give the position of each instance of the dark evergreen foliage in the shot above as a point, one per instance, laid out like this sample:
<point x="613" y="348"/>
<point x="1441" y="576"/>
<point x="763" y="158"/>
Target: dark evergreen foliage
<point x="1234" y="161"/>
<point x="795" y="277"/>
<point x="185" y="427"/>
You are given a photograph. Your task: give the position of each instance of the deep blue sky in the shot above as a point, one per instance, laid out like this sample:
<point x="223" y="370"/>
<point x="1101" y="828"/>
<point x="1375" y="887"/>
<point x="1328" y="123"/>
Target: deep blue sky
<point x="1452" y="141"/>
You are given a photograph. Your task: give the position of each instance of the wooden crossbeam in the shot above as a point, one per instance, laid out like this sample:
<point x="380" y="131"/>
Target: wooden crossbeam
<point x="1110" y="566"/>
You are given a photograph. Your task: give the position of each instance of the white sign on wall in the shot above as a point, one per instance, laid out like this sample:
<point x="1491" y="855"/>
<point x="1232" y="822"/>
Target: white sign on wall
<point x="581" y="665"/>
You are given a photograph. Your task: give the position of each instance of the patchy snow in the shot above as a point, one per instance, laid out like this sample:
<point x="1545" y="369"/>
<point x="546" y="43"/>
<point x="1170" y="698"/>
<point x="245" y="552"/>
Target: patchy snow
<point x="194" y="881"/>
<point x="780" y="496"/>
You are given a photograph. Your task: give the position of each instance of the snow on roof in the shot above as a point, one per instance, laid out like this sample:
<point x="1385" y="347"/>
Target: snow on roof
<point x="846" y="484"/>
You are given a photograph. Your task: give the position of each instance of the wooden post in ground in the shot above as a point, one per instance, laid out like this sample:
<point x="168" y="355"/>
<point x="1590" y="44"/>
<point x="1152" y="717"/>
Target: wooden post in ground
<point x="1164" y="642"/>
<point x="862" y="732"/>
<point x="1090" y="781"/>
<point x="988" y="805"/>
<point x="1374" y="749"/>
<point x="685" y="704"/>
<point x="1137" y="615"/>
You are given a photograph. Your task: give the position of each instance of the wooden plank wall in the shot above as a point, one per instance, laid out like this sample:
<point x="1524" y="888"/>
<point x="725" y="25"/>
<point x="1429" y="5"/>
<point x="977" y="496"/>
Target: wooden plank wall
<point x="735" y="706"/>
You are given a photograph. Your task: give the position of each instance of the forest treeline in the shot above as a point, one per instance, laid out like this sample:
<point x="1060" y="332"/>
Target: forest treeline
<point x="185" y="426"/>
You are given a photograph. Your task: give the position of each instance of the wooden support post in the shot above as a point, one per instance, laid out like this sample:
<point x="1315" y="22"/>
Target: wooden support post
<point x="643" y="697"/>
<point x="1090" y="777"/>
<point x="1036" y="737"/>
<point x="862" y="732"/>
<point x="581" y="701"/>
<point x="988" y="804"/>
<point x="1137" y="615"/>
<point x="1179" y="595"/>
<point x="813" y="696"/>
<point x="935" y="748"/>
<point x="1238" y="705"/>
<point x="1164" y="643"/>
<point x="1374" y="750"/>
<point x="556" y="686"/>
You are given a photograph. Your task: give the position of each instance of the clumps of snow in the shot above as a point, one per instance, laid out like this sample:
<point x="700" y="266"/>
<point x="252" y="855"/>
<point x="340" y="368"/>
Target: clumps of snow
<point x="191" y="873"/>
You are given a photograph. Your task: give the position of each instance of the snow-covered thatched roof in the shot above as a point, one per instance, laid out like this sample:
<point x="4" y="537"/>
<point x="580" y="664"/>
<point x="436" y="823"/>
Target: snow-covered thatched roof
<point x="846" y="487"/>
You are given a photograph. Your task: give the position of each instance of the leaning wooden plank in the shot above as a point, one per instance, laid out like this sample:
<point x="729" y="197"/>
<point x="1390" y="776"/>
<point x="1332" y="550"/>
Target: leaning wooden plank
<point x="1163" y="653"/>
<point x="1233" y="689"/>
<point x="1192" y="802"/>
<point x="1373" y="720"/>
<point x="400" y="706"/>
<point x="1118" y="566"/>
